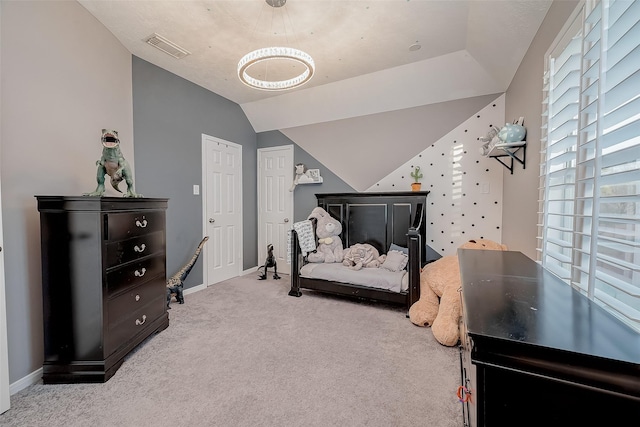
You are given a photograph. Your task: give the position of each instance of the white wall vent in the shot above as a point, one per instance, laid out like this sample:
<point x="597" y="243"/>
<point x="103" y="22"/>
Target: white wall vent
<point x="166" y="46"/>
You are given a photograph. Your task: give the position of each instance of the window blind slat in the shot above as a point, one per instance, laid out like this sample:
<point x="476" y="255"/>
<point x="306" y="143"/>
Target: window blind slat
<point x="620" y="181"/>
<point x="617" y="8"/>
<point x="625" y="67"/>
<point x="620" y="48"/>
<point x="618" y="309"/>
<point x="622" y="114"/>
<point x="593" y="16"/>
<point x="623" y="92"/>
<point x="562" y="61"/>
<point x="565" y="158"/>
<point x="627" y="158"/>
<point x="622" y="20"/>
<point x="561" y="145"/>
<point x="568" y="80"/>
<point x="567" y="114"/>
<point x="627" y="132"/>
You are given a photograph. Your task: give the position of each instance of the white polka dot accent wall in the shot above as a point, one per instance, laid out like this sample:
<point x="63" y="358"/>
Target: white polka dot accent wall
<point x="465" y="199"/>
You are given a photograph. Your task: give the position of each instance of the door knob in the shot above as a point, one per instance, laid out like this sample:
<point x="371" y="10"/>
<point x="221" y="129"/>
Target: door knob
<point x="211" y="220"/>
<point x="286" y="220"/>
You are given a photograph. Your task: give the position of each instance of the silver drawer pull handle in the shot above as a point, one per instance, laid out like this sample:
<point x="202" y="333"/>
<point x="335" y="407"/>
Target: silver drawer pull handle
<point x="138" y="298"/>
<point x="142" y="224"/>
<point x="140" y="273"/>
<point x="141" y="322"/>
<point x="140" y="248"/>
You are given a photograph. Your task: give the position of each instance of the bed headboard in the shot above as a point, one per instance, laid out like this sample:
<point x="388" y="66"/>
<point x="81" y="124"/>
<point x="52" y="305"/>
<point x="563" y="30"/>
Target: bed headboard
<point x="378" y="218"/>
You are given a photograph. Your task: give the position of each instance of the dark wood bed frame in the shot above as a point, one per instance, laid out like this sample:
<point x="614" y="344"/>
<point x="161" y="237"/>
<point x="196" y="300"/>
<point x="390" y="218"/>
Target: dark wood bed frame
<point x="378" y="219"/>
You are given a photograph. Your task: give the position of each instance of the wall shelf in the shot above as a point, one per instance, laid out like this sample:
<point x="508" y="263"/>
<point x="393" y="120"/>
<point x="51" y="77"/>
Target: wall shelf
<point x="318" y="181"/>
<point x="509" y="149"/>
<point x="311" y="176"/>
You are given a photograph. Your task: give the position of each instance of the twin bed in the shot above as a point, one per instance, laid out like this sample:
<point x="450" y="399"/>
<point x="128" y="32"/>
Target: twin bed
<point x="387" y="221"/>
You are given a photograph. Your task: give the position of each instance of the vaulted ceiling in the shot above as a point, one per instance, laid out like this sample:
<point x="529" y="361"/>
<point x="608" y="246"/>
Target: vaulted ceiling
<point x="371" y="56"/>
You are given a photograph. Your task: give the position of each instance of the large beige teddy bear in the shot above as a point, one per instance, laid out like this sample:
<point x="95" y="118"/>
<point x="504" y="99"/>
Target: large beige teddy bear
<point x="440" y="305"/>
<point x="328" y="230"/>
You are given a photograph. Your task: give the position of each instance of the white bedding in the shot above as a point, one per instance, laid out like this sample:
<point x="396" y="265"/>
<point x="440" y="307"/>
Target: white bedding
<point x="378" y="278"/>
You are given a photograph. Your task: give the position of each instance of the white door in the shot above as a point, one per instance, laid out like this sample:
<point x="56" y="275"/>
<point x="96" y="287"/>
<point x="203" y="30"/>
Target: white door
<point x="275" y="204"/>
<point x="222" y="208"/>
<point x="4" y="351"/>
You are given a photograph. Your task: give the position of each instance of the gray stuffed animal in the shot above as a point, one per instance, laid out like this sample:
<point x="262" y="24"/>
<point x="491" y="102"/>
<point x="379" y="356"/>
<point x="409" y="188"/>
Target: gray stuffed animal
<point x="362" y="255"/>
<point x="328" y="231"/>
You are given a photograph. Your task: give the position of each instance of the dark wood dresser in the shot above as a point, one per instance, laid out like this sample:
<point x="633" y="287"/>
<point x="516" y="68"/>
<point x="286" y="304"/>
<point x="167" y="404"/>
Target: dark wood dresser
<point x="536" y="352"/>
<point x="103" y="282"/>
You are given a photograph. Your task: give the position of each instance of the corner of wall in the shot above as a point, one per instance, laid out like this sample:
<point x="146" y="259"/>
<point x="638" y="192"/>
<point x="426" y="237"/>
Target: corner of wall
<point x="465" y="200"/>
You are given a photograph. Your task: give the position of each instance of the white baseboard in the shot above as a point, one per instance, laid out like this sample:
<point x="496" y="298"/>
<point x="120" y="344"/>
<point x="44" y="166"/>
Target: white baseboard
<point x="249" y="271"/>
<point x="194" y="289"/>
<point x="33" y="378"/>
<point x="36" y="376"/>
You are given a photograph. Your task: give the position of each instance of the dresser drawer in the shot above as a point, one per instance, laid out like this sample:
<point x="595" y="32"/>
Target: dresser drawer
<point x="129" y="313"/>
<point x="134" y="274"/>
<point x="122" y="226"/>
<point x="131" y="249"/>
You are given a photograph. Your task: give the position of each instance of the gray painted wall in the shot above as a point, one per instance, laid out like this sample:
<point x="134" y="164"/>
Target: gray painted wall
<point x="170" y="114"/>
<point x="304" y="197"/>
<point x="64" y="78"/>
<point x="524" y="99"/>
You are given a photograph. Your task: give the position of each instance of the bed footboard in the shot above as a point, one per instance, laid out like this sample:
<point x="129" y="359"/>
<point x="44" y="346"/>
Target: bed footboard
<point x="296" y="255"/>
<point x="414" y="243"/>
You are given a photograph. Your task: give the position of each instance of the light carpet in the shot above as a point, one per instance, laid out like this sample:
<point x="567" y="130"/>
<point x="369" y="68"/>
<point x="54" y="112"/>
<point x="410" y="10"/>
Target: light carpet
<point x="244" y="353"/>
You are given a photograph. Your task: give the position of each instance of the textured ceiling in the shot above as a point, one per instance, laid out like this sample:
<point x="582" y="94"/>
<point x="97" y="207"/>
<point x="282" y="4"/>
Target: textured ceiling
<point x="361" y="50"/>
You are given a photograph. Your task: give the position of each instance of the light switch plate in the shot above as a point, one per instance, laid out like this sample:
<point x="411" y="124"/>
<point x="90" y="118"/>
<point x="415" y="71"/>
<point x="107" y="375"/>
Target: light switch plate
<point x="196" y="189"/>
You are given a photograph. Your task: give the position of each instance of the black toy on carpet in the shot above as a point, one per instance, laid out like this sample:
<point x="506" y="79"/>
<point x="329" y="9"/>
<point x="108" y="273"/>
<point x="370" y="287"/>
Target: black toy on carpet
<point x="270" y="262"/>
<point x="175" y="284"/>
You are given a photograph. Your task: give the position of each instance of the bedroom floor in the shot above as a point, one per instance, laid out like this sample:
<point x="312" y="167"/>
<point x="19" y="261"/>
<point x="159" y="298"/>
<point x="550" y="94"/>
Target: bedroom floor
<point x="244" y="353"/>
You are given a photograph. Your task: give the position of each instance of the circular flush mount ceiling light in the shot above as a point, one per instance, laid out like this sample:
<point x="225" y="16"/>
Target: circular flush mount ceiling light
<point x="276" y="53"/>
<point x="273" y="55"/>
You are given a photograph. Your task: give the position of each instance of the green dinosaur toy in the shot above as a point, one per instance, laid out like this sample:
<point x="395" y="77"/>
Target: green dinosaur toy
<point x="112" y="163"/>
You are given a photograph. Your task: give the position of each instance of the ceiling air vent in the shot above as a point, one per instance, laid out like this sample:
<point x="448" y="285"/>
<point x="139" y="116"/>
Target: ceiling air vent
<point x="166" y="46"/>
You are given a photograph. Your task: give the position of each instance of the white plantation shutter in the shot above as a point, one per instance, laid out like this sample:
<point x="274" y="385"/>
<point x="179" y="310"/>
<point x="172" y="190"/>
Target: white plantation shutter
<point x="558" y="162"/>
<point x="589" y="230"/>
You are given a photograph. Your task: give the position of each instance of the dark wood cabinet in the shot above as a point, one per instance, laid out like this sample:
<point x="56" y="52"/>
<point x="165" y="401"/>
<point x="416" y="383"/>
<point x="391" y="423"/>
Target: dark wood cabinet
<point x="537" y="352"/>
<point x="103" y="282"/>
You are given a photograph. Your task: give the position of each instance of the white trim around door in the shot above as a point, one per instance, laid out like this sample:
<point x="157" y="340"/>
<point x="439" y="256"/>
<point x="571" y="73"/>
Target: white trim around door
<point x="275" y="204"/>
<point x="221" y="209"/>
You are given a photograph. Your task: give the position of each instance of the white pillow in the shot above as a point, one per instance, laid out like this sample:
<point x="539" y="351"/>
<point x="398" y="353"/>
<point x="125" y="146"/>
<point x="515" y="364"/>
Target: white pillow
<point x="402" y="249"/>
<point x="395" y="261"/>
